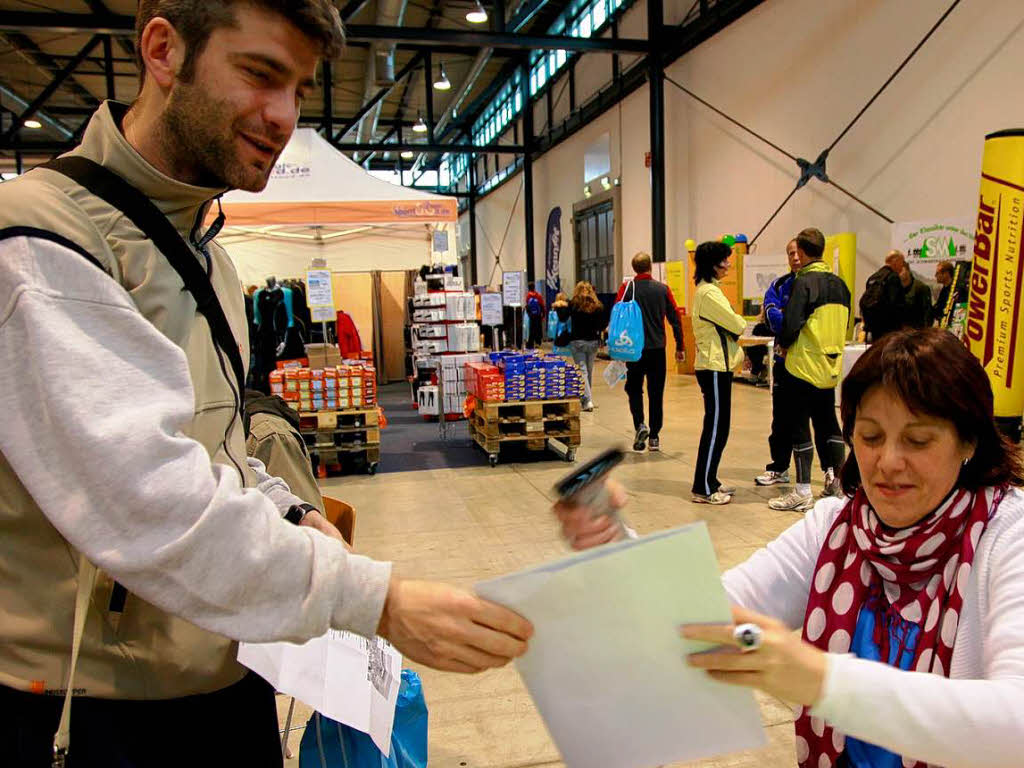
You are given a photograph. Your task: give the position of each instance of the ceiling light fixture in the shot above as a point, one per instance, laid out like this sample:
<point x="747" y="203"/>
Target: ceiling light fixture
<point x="477" y="15"/>
<point x="407" y="154"/>
<point x="32" y="124"/>
<point x="606" y="182"/>
<point x="442" y="83"/>
<point x="420" y="126"/>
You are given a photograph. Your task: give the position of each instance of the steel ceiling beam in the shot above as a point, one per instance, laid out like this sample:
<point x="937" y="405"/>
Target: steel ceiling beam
<point x="68" y="23"/>
<point x="128" y="46"/>
<point x="412" y="146"/>
<point x="50" y="89"/>
<point x="48" y="64"/>
<point x="410" y="66"/>
<point x="44" y="117"/>
<point x="473" y="39"/>
<point x="124" y="26"/>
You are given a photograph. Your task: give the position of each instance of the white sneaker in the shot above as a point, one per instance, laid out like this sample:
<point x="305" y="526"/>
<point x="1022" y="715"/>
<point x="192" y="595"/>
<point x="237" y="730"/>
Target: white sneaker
<point x="771" y="477"/>
<point x="794" y="500"/>
<point x="715" y="498"/>
<point x="728" y="490"/>
<point x="833" y="486"/>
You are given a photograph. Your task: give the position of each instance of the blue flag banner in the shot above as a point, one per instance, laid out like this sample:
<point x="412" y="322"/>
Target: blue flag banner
<point x="552" y="254"/>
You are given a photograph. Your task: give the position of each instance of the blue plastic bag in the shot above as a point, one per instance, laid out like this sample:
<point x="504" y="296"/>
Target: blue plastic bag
<point x="626" y="328"/>
<point x="329" y="744"/>
<point x="553" y="324"/>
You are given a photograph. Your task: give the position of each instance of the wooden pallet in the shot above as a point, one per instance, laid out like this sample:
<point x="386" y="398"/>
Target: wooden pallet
<point x="548" y="426"/>
<point x="328" y="438"/>
<point x="334" y="459"/>
<point x="349" y="417"/>
<point x="534" y="442"/>
<point x="527" y="410"/>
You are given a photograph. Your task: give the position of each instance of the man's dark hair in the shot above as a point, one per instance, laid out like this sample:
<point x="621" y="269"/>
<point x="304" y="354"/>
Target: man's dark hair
<point x="811" y="242"/>
<point x="947" y="267"/>
<point x="195" y="20"/>
<point x="933" y="373"/>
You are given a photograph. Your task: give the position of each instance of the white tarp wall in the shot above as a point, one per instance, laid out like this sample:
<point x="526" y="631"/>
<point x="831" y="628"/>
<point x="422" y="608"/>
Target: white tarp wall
<point x="319" y="203"/>
<point x="384" y="248"/>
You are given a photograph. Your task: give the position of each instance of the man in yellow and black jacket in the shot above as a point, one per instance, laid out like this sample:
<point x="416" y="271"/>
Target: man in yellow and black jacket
<point x="813" y="335"/>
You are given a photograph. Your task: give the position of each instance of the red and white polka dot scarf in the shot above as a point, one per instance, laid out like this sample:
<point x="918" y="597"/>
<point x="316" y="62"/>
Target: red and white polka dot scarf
<point x="916" y="575"/>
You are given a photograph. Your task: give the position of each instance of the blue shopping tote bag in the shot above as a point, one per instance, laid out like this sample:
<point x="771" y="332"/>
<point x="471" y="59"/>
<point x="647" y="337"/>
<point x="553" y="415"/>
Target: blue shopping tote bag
<point x="626" y="328"/>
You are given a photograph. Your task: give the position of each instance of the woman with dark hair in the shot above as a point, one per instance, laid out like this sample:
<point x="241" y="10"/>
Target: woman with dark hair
<point x="716" y="327"/>
<point x="909" y="591"/>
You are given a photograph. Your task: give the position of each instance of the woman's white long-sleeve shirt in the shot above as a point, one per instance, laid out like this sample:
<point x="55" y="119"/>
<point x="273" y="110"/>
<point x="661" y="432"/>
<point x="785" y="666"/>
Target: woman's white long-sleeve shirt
<point x="975" y="717"/>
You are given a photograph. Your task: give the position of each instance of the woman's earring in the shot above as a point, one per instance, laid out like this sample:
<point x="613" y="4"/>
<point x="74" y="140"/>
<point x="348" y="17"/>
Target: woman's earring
<point x="965" y="461"/>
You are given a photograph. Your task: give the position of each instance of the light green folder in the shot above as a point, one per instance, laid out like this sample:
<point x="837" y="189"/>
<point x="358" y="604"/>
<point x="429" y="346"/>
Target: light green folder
<point x="606" y="665"/>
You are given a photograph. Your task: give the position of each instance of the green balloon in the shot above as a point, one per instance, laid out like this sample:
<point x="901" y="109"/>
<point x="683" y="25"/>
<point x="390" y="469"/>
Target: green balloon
<point x="729" y="240"/>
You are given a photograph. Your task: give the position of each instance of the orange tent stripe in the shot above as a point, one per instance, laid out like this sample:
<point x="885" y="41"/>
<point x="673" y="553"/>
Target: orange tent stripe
<point x="365" y="212"/>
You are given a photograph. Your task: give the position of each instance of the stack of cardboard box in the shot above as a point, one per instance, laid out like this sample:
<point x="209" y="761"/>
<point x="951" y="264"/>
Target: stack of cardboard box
<point x="322" y="356"/>
<point x="341" y="387"/>
<point x="485" y="382"/>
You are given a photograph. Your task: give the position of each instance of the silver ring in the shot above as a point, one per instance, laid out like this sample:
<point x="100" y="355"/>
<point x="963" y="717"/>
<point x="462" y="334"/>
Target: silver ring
<point x="748" y="636"/>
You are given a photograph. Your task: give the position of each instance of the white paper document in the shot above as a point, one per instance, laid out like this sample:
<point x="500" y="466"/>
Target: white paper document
<point x="341" y="675"/>
<point x="606" y="665"/>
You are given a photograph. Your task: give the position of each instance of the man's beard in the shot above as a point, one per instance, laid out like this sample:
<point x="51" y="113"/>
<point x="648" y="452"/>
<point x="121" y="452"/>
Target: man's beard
<point x="200" y="138"/>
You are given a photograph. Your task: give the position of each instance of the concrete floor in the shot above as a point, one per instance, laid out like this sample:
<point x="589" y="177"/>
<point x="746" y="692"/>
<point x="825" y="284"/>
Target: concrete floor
<point x="466" y="525"/>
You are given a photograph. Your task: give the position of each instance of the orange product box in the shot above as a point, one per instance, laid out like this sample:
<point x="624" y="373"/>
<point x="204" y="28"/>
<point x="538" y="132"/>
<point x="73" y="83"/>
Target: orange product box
<point x="292" y="397"/>
<point x="300" y="362"/>
<point x="291" y="380"/>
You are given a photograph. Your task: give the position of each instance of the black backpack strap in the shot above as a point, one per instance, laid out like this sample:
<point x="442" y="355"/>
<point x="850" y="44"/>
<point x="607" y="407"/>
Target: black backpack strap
<point x="110" y="187"/>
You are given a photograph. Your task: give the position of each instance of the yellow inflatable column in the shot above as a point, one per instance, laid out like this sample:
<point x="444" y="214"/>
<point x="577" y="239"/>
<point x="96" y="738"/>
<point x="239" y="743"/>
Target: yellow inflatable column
<point x="994" y="312"/>
<point x="841" y="256"/>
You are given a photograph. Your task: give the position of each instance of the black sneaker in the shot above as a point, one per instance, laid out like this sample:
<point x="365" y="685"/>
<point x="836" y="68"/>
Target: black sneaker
<point x="654" y="444"/>
<point x="641" y="437"/>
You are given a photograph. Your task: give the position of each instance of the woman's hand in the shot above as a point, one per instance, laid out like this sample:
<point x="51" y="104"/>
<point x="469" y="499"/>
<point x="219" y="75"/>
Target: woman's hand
<point x="582" y="529"/>
<point x="784" y="665"/>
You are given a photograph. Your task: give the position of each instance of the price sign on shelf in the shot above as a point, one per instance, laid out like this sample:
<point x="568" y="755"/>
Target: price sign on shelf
<point x="491" y="309"/>
<point x="512" y="292"/>
<point x="319" y="295"/>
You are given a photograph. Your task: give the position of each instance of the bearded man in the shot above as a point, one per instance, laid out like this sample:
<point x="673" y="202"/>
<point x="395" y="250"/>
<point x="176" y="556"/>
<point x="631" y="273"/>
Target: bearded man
<point x="137" y="541"/>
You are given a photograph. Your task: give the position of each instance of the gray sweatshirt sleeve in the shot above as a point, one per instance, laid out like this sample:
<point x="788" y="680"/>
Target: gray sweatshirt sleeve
<point x="275" y="488"/>
<point x="89" y="386"/>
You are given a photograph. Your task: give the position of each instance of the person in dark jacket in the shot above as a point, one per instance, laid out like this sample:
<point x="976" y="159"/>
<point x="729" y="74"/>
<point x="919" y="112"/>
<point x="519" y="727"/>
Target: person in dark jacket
<point x="813" y="335"/>
<point x="884" y="308"/>
<point x="945" y="275"/>
<point x="917" y="297"/>
<point x="657" y="304"/>
<point x="535" y="312"/>
<point x="587" y="321"/>
<point x="780" y="441"/>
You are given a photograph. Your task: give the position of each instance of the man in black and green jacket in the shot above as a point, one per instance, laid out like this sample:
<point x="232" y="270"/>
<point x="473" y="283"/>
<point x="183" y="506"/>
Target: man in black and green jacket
<point x="813" y="335"/>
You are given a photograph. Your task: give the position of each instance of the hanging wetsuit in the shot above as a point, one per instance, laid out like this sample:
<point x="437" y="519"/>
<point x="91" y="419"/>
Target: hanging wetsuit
<point x="265" y="341"/>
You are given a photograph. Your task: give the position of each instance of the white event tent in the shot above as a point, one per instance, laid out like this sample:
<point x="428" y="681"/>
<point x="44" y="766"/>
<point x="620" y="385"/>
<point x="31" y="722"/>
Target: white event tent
<point x="320" y="204"/>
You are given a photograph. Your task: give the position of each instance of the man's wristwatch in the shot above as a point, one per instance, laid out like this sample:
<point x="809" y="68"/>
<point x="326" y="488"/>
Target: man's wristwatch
<point x="296" y="512"/>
